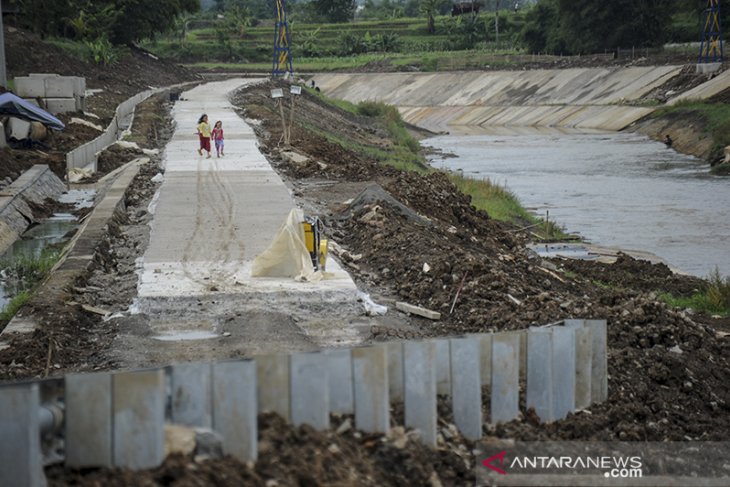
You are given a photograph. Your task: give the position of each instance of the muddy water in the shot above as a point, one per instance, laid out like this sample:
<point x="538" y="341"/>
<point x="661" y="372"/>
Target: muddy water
<point x="614" y="189"/>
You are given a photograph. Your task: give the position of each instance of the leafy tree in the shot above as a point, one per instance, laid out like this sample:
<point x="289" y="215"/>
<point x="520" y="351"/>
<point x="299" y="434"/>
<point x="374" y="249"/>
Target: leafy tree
<point x="431" y="8"/>
<point x="141" y="19"/>
<point x="335" y="10"/>
<point x="585" y="26"/>
<point x="125" y="21"/>
<point x="238" y="20"/>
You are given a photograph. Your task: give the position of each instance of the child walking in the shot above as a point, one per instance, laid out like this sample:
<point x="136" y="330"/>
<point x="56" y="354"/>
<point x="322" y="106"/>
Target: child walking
<point x="204" y="134"/>
<point x="217" y="135"/>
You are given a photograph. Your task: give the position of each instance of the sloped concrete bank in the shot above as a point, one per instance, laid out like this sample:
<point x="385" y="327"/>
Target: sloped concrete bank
<point x="16" y="201"/>
<point x="587" y="98"/>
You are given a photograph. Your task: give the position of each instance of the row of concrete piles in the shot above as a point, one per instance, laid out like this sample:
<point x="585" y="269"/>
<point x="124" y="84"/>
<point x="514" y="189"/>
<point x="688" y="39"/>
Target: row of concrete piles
<point x="118" y="419"/>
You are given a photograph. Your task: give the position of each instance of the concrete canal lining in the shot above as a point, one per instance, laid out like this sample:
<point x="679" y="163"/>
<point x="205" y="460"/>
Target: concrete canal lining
<point x="584" y="98"/>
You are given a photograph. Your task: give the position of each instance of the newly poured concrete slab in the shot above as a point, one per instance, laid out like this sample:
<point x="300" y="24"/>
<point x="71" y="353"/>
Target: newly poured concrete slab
<point x="213" y="216"/>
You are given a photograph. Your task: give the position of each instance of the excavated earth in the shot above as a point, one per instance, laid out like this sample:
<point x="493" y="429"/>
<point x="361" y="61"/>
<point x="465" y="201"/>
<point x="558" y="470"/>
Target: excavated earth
<point x="404" y="236"/>
<point x="669" y="374"/>
<point x="136" y="71"/>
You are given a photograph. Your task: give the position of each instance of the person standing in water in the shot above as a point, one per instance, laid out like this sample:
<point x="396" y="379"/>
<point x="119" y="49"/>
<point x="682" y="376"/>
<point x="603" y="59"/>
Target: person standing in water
<point x="217" y="135"/>
<point x="204" y="134"/>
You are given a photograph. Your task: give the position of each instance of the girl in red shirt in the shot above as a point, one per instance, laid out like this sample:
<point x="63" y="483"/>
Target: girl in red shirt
<point x="217" y="135"/>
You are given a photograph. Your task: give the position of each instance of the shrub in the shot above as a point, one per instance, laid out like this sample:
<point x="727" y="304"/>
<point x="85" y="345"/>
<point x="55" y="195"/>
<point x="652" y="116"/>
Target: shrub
<point x="102" y="52"/>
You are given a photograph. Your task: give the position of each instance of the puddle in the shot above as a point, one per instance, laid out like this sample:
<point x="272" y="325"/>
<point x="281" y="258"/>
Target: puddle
<point x="19" y="265"/>
<point x="80" y="198"/>
<point x="173" y="336"/>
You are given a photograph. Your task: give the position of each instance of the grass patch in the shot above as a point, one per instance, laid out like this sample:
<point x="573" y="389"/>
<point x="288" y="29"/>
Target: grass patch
<point x="23" y="275"/>
<point x="714" y="299"/>
<point x="13" y="306"/>
<point x="499" y="202"/>
<point x="715" y="115"/>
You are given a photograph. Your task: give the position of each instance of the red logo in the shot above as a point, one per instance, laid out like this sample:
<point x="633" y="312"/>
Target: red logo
<point x="499" y="456"/>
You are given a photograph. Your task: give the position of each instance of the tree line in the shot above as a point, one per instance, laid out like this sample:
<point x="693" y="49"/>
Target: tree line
<point x="590" y="26"/>
<point x="116" y="21"/>
<point x="542" y="26"/>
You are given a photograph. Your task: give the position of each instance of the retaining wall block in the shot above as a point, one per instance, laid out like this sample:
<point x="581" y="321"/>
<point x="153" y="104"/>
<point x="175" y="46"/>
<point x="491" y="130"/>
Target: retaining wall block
<point x="341" y="392"/>
<point x="272" y="384"/>
<point x="563" y="365"/>
<point x="523" y="354"/>
<point x="309" y="397"/>
<point x="505" y="377"/>
<point x="395" y="370"/>
<point x="485" y="357"/>
<point x="60" y="105"/>
<point x="370" y="381"/>
<point x="540" y="373"/>
<point x="21" y="462"/>
<point x="192" y="394"/>
<point x="30" y="87"/>
<point x="599" y="369"/>
<point x="466" y="386"/>
<point x="443" y="367"/>
<point x="583" y="362"/>
<point x="139" y="419"/>
<point x="419" y="379"/>
<point x="19" y="129"/>
<point x="234" y="408"/>
<point x="60" y="87"/>
<point x="88" y="420"/>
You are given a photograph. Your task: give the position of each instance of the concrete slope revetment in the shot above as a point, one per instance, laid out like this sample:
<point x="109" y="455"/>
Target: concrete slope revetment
<point x="583" y="98"/>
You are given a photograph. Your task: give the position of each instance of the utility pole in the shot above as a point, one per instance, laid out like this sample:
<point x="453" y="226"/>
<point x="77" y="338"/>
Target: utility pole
<point x="711" y="48"/>
<point x="282" y="64"/>
<point x="3" y="71"/>
<point x="496" y="23"/>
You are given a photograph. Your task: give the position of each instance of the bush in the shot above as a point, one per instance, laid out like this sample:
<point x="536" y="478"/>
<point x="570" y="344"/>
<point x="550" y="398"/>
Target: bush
<point x="101" y="51"/>
<point x="718" y="291"/>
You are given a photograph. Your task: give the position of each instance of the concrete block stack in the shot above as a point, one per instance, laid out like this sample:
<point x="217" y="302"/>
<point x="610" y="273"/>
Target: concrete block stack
<point x="54" y="93"/>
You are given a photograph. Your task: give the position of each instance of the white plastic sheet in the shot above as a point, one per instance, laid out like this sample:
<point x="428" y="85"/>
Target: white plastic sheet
<point x="287" y="256"/>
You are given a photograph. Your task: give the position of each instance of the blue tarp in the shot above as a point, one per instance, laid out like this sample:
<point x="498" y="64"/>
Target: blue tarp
<point x="15" y="106"/>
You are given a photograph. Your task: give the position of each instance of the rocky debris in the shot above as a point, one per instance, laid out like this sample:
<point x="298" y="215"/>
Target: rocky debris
<point x="655" y="393"/>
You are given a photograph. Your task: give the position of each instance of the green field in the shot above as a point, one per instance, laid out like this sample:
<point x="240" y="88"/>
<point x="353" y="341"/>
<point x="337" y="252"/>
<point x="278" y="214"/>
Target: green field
<point x="345" y="46"/>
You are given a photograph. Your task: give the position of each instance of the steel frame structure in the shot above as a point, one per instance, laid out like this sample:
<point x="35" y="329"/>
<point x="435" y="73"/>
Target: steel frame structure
<point x="711" y="46"/>
<point x="282" y="39"/>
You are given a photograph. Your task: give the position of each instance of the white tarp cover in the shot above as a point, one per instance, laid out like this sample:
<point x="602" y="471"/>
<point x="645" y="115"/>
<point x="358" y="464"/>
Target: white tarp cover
<point x="287" y="256"/>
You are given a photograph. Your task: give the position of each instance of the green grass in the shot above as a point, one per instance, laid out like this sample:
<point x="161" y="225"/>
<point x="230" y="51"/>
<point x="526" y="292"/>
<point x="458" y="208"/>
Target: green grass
<point x="714" y="299"/>
<point x="500" y="203"/>
<point x="13" y="306"/>
<point x="26" y="272"/>
<point x="716" y="115"/>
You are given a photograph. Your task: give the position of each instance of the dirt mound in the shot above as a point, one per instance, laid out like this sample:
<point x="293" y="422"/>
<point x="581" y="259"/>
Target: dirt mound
<point x="630" y="273"/>
<point x="26" y="53"/>
<point x="304" y="457"/>
<point x="660" y="384"/>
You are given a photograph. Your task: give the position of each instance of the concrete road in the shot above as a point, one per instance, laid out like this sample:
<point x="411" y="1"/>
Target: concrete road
<point x="212" y="217"/>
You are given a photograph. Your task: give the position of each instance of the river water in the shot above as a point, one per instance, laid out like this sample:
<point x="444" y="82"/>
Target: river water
<point x="614" y="189"/>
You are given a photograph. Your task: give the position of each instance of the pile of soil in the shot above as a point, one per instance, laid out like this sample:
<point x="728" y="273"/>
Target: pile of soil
<point x="69" y="338"/>
<point x="305" y="457"/>
<point x="416" y="238"/>
<point x="26" y="53"/>
<point x="660" y="385"/>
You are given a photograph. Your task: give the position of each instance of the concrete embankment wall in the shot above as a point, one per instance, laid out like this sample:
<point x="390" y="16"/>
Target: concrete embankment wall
<point x="33" y="187"/>
<point x="586" y="98"/>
